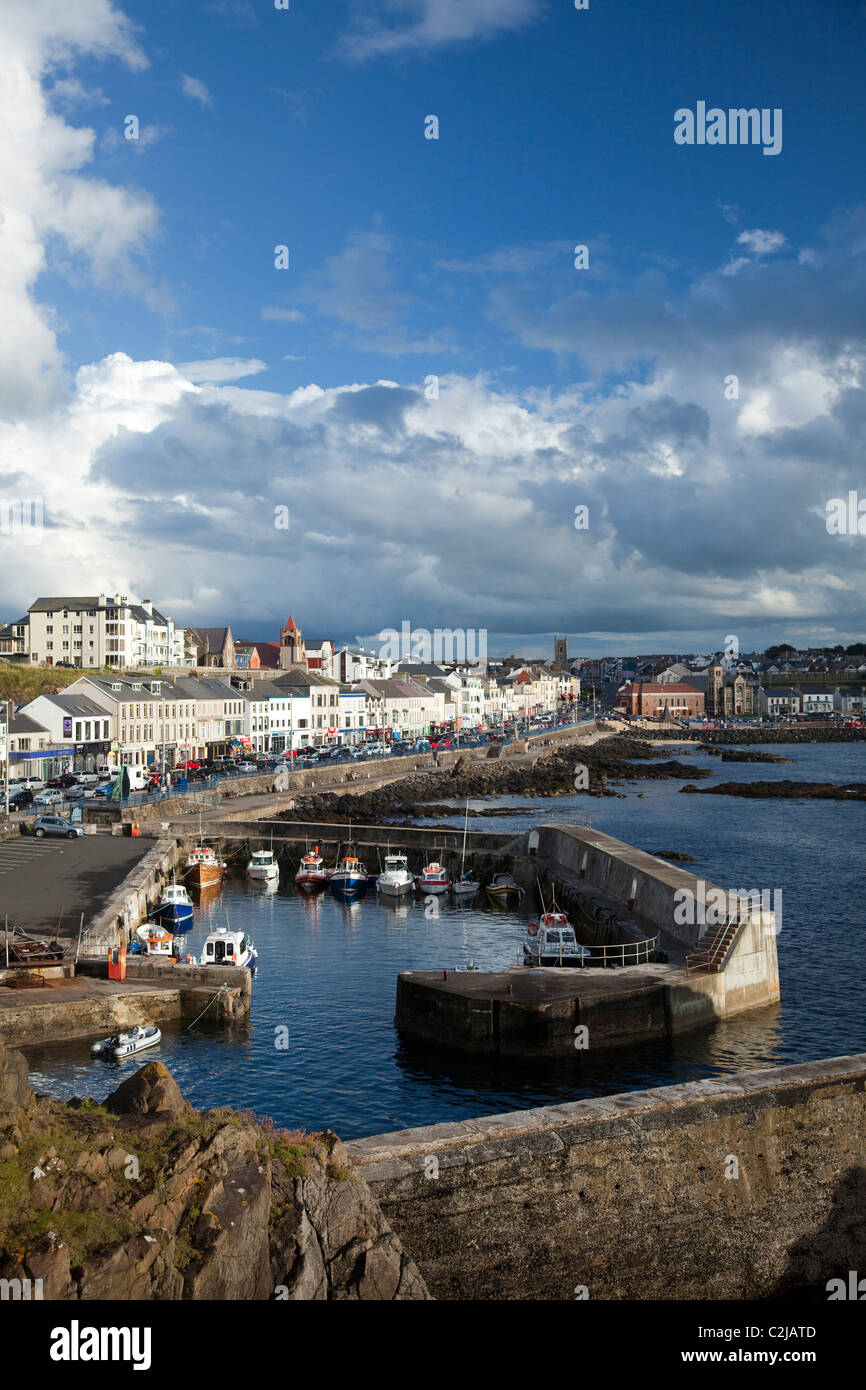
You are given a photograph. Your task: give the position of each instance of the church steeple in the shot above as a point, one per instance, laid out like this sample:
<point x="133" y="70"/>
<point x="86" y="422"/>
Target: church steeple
<point x="293" y="651"/>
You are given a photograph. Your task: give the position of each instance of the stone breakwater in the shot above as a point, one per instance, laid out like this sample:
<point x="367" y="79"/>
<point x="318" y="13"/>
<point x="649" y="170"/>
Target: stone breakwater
<point x="746" y="1186"/>
<point x="143" y="1197"/>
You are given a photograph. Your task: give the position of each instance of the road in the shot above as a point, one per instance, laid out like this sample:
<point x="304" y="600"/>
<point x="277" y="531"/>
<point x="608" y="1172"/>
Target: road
<point x="38" y="878"/>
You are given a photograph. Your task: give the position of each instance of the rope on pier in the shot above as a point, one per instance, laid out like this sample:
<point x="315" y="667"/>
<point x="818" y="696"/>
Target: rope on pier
<point x="222" y="989"/>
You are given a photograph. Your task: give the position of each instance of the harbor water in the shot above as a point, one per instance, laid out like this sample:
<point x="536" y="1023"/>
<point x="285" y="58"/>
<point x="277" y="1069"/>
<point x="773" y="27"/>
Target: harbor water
<point x="320" y="1048"/>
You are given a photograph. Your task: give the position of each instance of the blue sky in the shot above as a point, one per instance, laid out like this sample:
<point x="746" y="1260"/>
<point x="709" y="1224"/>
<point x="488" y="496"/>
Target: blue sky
<point x="212" y="387"/>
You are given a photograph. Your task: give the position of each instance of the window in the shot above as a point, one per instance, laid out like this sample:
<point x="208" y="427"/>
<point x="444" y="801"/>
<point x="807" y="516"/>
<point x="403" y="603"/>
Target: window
<point x="49" y="646"/>
<point x="49" y="627"/>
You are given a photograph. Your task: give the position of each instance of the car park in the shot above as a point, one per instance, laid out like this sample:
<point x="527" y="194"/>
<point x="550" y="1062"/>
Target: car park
<point x="56" y="825"/>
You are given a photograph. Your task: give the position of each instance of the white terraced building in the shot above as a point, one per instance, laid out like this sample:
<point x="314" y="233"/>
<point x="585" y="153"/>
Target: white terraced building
<point x="102" y="630"/>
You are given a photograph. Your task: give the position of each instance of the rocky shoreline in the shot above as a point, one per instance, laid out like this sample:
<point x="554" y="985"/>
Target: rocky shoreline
<point x="143" y="1197"/>
<point x="823" y="791"/>
<point x="609" y="763"/>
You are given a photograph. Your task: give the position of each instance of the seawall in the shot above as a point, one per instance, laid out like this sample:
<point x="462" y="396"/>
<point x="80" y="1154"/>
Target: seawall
<point x="745" y="1186"/>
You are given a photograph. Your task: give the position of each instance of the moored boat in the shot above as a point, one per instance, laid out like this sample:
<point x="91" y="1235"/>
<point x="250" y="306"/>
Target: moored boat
<point x="203" y="867"/>
<point x="153" y="939"/>
<point x="312" y="874"/>
<point x="263" y="866"/>
<point x="175" y="907"/>
<point x="504" y="892"/>
<point x="395" y="879"/>
<point x="465" y="885"/>
<point x="349" y="879"/>
<point x="434" y="878"/>
<point x="552" y="941"/>
<point x="125" y="1044"/>
<point x="227" y="947"/>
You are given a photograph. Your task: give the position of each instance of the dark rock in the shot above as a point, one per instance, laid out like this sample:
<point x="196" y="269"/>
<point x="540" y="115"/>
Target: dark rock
<point x="151" y="1091"/>
<point x="15" y="1093"/>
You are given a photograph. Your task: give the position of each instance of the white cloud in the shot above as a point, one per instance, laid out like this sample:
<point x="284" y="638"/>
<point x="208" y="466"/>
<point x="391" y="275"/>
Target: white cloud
<point x="196" y="90"/>
<point x="431" y="24"/>
<point x="762" y="243"/>
<point x="216" y="369"/>
<point x="275" y="315"/>
<point x="49" y="205"/>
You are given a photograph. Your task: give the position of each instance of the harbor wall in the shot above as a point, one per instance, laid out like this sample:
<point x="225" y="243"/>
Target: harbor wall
<point x="624" y="873"/>
<point x="745" y="1186"/>
<point x="127" y="906"/>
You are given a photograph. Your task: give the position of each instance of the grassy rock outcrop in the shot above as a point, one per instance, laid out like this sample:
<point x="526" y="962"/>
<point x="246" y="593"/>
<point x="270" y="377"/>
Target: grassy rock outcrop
<point x="144" y="1197"/>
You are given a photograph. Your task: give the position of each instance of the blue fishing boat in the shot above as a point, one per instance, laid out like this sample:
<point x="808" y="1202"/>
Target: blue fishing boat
<point x="349" y="879"/>
<point x="175" y="907"/>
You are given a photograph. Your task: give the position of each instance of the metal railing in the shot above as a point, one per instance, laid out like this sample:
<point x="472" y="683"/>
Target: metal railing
<point x="712" y="958"/>
<point x="623" y="952"/>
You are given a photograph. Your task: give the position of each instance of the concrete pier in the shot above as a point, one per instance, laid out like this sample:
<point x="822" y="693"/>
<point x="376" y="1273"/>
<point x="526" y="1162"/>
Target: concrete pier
<point x="524" y="1012"/>
<point x="91" y="1005"/>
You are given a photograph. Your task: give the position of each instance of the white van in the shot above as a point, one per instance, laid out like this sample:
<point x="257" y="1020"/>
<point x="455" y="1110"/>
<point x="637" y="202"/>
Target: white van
<point x="138" y="775"/>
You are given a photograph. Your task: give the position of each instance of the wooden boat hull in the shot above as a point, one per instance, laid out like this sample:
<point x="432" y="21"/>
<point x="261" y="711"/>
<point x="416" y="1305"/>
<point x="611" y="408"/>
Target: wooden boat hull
<point x="204" y="875"/>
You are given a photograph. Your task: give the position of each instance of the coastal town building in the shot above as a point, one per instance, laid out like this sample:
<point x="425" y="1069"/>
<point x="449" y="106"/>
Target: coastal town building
<point x="102" y="630"/>
<point x="653" y="700"/>
<point x="777" y="700"/>
<point x="80" y="730"/>
<point x="729" y="692"/>
<point x="214" y="647"/>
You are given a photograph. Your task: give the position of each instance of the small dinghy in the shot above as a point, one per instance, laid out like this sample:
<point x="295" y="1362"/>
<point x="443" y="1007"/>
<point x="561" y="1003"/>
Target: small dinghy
<point x="125" y="1044"/>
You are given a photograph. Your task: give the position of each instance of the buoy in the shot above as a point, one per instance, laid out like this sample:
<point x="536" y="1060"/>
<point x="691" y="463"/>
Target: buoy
<point x="533" y="929"/>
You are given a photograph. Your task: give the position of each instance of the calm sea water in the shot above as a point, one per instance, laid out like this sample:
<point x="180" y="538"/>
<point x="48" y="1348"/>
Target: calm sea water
<point x="327" y="972"/>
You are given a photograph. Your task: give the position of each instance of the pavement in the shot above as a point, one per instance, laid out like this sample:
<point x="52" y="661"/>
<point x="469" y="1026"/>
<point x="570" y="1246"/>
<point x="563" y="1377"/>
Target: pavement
<point x="41" y="878"/>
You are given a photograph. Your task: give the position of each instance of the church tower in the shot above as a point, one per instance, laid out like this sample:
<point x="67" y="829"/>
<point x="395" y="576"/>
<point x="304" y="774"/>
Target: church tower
<point x="293" y="651"/>
<point x="560" y="653"/>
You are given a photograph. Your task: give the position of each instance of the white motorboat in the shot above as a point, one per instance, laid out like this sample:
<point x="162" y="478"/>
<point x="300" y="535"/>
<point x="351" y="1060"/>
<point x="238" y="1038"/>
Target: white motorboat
<point x="125" y="1044"/>
<point x="434" y="878"/>
<point x="155" y="940"/>
<point x="227" y="947"/>
<point x="551" y="941"/>
<point x="263" y="866"/>
<point x="395" y="878"/>
<point x="465" y="885"/>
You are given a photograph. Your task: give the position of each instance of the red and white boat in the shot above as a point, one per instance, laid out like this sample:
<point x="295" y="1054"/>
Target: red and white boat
<point x="312" y="875"/>
<point x="434" y="879"/>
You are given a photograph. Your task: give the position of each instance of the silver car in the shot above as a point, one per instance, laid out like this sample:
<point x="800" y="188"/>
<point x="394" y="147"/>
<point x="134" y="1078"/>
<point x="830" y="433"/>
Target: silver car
<point x="56" y="825"/>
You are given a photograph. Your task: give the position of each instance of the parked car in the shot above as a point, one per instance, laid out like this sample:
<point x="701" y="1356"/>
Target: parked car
<point x="48" y="798"/>
<point x="87" y="779"/>
<point x="66" y="779"/>
<point x="20" y="800"/>
<point x="81" y="793"/>
<point x="56" y="825"/>
<point x="247" y="767"/>
<point x="30" y="784"/>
